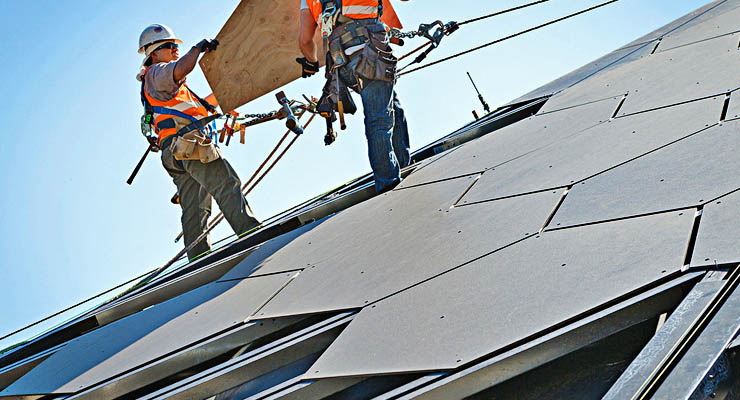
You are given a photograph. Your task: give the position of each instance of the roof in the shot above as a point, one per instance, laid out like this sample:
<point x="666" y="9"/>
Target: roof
<point x="578" y="242"/>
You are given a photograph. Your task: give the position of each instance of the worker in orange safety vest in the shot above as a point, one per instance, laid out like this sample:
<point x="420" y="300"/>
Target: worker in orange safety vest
<point x="180" y="119"/>
<point x="359" y="57"/>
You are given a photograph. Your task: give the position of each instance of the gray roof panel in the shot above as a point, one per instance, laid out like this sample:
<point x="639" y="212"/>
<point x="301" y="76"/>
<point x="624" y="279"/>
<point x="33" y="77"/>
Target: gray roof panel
<point x="723" y="24"/>
<point x="733" y="110"/>
<point x="696" y="17"/>
<point x="513" y="141"/>
<point x="717" y="240"/>
<point x="645" y="81"/>
<point x="147" y="335"/>
<point x="507" y="296"/>
<point x="264" y="260"/>
<point x="594" y="150"/>
<point x="605" y="63"/>
<point x="684" y="174"/>
<point x="397" y="240"/>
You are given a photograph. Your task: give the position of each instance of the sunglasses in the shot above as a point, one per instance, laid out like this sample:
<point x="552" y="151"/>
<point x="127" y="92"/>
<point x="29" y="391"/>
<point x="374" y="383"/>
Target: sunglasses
<point x="168" y="45"/>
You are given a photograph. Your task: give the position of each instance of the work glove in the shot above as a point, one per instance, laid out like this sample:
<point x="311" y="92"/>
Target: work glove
<point x="309" y="68"/>
<point x="206" y="45"/>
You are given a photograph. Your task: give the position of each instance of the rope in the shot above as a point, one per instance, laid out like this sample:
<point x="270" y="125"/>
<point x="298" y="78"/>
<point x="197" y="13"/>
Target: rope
<point x="415" y="50"/>
<point x="501" y="12"/>
<point x="509" y="37"/>
<point x="280" y="156"/>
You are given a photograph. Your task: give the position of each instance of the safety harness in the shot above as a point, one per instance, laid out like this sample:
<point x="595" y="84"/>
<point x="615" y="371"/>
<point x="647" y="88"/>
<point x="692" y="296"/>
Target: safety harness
<point x="357" y="50"/>
<point x="169" y="123"/>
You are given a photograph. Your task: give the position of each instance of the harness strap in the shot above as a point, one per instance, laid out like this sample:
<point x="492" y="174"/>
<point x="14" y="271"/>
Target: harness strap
<point x="208" y="106"/>
<point x="170" y="111"/>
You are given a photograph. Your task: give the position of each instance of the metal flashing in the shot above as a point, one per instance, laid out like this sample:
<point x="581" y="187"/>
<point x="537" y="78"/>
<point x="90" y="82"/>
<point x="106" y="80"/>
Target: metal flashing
<point x="147" y="335"/>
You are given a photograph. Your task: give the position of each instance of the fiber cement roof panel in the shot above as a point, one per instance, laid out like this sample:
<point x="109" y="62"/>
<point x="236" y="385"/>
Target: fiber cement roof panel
<point x="697" y="16"/>
<point x="512" y="142"/>
<point x="733" y="109"/>
<point x="682" y="74"/>
<point x="607" y="62"/>
<point x="265" y="259"/>
<point x="719" y="230"/>
<point x="688" y="29"/>
<point x="500" y="299"/>
<point x="684" y="174"/>
<point x="399" y="239"/>
<point x="147" y="335"/>
<point x="726" y="23"/>
<point x="594" y="150"/>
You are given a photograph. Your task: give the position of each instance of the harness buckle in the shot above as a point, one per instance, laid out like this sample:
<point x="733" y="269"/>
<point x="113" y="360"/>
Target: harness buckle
<point x="328" y="18"/>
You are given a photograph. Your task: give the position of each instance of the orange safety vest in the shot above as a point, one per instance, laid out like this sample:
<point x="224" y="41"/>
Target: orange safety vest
<point x="185" y="105"/>
<point x="360" y="9"/>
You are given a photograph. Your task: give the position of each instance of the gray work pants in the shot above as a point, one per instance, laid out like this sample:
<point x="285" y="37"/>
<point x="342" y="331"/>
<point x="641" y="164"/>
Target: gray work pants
<point x="197" y="183"/>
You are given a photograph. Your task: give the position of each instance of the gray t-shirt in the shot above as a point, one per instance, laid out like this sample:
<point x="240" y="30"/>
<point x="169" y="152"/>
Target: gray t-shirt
<point x="160" y="81"/>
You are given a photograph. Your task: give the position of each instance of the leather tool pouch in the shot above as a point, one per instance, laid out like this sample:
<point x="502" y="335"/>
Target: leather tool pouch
<point x="376" y="61"/>
<point x="195" y="146"/>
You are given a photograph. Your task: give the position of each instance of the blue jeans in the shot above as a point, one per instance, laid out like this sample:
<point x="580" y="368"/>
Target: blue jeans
<point x="387" y="133"/>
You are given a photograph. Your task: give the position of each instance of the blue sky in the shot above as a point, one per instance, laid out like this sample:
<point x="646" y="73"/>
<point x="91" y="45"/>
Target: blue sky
<point x="72" y="228"/>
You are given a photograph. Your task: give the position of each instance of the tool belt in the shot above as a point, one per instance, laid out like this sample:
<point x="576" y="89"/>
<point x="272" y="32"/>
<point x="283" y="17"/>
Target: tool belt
<point x="360" y="49"/>
<point x="191" y="143"/>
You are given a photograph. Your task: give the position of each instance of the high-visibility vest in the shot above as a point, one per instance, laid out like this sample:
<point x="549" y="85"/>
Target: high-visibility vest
<point x="185" y="105"/>
<point x="355" y="9"/>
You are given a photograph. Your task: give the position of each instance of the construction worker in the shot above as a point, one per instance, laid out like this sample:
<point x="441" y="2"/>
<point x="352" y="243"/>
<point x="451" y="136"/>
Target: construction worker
<point x="359" y="57"/>
<point x="177" y="112"/>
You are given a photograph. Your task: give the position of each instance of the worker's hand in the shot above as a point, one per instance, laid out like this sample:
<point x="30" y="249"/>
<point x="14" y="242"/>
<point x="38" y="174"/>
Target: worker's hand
<point x="309" y="68"/>
<point x="206" y="45"/>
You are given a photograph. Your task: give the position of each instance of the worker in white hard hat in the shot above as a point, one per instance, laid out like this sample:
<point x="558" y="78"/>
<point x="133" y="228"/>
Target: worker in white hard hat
<point x="179" y="117"/>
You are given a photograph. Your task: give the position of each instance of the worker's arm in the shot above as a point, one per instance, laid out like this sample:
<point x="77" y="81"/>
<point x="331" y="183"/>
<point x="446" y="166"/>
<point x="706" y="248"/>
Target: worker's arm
<point x="187" y="62"/>
<point x="305" y="37"/>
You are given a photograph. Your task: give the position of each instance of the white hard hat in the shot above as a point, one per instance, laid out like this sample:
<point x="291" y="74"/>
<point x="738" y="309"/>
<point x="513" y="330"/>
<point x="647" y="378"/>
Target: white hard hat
<point x="156" y="33"/>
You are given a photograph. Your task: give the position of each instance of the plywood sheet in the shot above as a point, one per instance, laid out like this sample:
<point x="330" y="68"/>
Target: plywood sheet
<point x="257" y="50"/>
<point x="397" y="240"/>
<point x="685" y="174"/>
<point x="595" y="150"/>
<point x="148" y="335"/>
<point x="507" y="296"/>
<point x="512" y="142"/>
<point x="719" y="229"/>
<point x="682" y="74"/>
